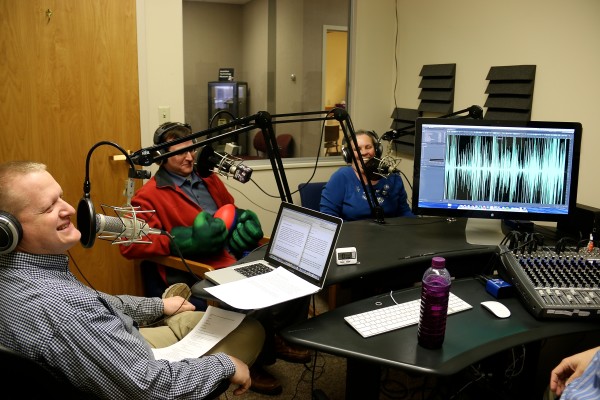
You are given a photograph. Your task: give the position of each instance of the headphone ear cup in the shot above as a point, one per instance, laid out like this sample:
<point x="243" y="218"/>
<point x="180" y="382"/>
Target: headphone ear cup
<point x="377" y="144"/>
<point x="11" y="232"/>
<point x="378" y="150"/>
<point x="346" y="155"/>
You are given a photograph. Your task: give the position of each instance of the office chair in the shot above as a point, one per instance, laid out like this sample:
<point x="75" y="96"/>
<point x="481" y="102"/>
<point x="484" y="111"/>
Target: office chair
<point x="260" y="145"/>
<point x="310" y="197"/>
<point x="15" y="367"/>
<point x="285" y="143"/>
<point x="310" y="194"/>
<point x="331" y="142"/>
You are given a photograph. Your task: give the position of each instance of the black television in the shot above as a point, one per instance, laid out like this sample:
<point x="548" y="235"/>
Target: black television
<point x="511" y="170"/>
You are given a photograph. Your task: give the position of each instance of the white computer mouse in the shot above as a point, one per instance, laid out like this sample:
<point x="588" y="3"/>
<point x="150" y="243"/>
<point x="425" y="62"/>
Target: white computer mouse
<point x="496" y="308"/>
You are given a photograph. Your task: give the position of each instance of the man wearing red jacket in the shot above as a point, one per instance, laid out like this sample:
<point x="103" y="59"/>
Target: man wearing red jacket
<point x="184" y="204"/>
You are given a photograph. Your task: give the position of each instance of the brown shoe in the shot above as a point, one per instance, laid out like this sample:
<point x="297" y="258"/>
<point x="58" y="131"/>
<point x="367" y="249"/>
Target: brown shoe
<point x="178" y="289"/>
<point x="290" y="352"/>
<point x="263" y="382"/>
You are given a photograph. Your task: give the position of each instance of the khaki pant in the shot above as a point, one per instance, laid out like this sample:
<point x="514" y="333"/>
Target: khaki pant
<point x="244" y="342"/>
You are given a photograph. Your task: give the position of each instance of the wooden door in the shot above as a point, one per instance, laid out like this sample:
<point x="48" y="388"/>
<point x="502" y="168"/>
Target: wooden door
<point x="70" y="80"/>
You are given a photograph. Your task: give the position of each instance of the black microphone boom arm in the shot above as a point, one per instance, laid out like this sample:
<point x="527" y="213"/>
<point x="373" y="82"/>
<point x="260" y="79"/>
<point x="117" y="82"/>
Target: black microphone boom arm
<point x="350" y="137"/>
<point x="473" y="112"/>
<point x="86" y="215"/>
<point x="261" y="120"/>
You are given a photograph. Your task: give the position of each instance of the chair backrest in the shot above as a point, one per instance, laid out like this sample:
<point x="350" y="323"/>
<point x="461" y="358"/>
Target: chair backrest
<point x="259" y="143"/>
<point x="310" y="194"/>
<point x="285" y="142"/>
<point x="14" y="367"/>
<point x="332" y="133"/>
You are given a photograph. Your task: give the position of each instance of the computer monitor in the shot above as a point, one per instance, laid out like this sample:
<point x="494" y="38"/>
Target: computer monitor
<point x="518" y="170"/>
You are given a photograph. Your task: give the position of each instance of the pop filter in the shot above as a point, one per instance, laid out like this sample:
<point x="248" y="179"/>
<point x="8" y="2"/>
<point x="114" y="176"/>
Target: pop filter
<point x="86" y="221"/>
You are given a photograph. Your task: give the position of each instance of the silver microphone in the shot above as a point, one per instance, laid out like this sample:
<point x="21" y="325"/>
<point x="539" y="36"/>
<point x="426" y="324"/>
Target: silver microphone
<point x="125" y="229"/>
<point x="226" y="165"/>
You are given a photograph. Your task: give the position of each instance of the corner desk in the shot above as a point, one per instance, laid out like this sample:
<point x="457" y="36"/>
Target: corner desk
<point x="471" y="336"/>
<point x="399" y="251"/>
<point x="396" y="253"/>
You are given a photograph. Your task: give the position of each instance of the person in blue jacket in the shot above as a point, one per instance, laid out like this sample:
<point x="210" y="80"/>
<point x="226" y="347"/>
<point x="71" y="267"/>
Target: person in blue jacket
<point x="344" y="196"/>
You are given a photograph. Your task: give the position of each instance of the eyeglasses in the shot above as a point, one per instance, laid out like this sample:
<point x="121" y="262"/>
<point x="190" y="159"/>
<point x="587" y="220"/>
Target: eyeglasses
<point x="184" y="153"/>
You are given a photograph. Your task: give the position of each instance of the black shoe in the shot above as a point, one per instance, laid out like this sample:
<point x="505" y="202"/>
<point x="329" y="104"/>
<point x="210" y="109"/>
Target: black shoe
<point x="263" y="382"/>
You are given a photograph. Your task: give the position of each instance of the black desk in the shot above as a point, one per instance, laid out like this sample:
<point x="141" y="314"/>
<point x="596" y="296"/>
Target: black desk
<point x="398" y="251"/>
<point x="471" y="336"/>
<point x="406" y="242"/>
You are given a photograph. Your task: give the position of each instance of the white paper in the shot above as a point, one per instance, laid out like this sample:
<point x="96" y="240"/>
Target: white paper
<point x="263" y="290"/>
<point x="210" y="330"/>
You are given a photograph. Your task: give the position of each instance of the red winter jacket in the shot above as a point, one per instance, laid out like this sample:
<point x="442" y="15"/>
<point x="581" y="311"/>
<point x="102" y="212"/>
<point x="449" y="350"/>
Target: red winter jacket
<point x="173" y="208"/>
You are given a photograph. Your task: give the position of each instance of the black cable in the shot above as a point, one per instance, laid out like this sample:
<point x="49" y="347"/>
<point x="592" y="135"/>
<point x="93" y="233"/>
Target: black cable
<point x="180" y="255"/>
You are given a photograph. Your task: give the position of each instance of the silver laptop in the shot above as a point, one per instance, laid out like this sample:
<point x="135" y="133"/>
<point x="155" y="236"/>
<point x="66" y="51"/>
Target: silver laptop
<point x="302" y="242"/>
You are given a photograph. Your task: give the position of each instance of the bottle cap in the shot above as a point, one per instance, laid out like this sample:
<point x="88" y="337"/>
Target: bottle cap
<point x="438" y="262"/>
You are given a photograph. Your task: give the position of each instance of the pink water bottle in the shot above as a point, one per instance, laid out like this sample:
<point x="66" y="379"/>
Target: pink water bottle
<point x="435" y="292"/>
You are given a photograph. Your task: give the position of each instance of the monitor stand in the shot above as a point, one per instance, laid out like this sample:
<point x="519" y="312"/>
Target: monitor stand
<point x="484" y="231"/>
<point x="520" y="225"/>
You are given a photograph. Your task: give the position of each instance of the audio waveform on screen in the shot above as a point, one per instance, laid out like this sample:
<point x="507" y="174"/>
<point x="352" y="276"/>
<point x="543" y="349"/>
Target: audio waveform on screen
<point x="515" y="170"/>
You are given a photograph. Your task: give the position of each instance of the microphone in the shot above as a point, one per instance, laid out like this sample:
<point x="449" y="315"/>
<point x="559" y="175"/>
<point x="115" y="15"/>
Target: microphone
<point x="124" y="229"/>
<point x="476" y="112"/>
<point x="381" y="167"/>
<point x="394" y="134"/>
<point x="226" y="164"/>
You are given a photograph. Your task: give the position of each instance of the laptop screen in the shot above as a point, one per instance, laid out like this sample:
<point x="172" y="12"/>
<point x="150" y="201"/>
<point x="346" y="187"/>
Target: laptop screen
<point x="304" y="241"/>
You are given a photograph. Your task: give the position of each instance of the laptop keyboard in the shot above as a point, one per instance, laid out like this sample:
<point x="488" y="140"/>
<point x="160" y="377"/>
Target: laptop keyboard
<point x="385" y="319"/>
<point x="253" y="269"/>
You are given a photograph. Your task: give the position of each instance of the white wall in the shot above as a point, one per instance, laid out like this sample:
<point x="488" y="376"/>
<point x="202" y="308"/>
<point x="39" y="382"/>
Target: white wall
<point x="160" y="63"/>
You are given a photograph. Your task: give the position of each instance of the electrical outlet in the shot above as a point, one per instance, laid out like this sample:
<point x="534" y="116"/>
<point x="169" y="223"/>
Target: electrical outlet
<point x="164" y="114"/>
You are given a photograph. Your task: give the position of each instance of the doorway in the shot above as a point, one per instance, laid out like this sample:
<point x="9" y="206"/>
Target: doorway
<point x="335" y="64"/>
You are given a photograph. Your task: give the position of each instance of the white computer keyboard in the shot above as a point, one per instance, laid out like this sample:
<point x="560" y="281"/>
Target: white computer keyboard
<point x="385" y="319"/>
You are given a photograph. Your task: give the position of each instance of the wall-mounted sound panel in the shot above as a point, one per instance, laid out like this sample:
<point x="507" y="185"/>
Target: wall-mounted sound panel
<point x="404" y="122"/>
<point x="437" y="88"/>
<point x="510" y="92"/>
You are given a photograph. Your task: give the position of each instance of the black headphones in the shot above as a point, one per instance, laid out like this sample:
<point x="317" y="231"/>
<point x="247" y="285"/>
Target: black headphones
<point x="346" y="151"/>
<point x="11" y="232"/>
<point x="166" y="127"/>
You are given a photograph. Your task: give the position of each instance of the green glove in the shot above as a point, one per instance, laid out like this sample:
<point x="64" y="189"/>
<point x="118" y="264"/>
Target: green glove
<point x="206" y="236"/>
<point x="246" y="233"/>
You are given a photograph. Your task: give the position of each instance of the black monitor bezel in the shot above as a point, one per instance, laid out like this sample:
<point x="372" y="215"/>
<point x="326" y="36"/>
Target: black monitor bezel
<point x="486" y="214"/>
